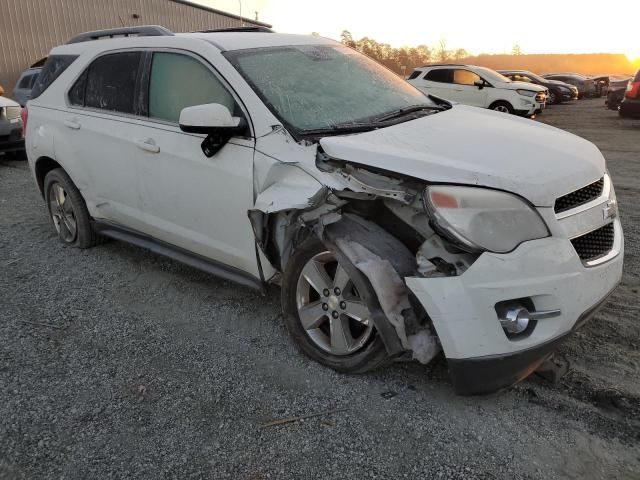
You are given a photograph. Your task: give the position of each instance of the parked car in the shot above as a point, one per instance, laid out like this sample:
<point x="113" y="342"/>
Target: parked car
<point x="558" y="91"/>
<point x="617" y="89"/>
<point x="630" y="106"/>
<point x="396" y="224"/>
<point x="586" y="87"/>
<point x="11" y="138"/>
<point x="479" y="87"/>
<point x="24" y="85"/>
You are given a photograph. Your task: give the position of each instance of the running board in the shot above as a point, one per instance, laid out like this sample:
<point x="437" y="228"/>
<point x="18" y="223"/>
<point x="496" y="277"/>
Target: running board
<point x="176" y="253"/>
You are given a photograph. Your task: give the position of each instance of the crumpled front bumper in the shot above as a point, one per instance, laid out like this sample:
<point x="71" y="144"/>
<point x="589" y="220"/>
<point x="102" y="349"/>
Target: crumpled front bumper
<point x="548" y="272"/>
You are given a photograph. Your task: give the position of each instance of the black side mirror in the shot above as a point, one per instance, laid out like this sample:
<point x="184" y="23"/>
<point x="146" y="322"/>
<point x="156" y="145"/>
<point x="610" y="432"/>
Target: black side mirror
<point x="480" y="84"/>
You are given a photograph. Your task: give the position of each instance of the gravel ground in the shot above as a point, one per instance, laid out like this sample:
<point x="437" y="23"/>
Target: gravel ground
<point x="118" y="363"/>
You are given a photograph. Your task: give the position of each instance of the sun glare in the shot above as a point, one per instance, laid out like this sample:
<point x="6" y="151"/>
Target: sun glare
<point x="634" y="57"/>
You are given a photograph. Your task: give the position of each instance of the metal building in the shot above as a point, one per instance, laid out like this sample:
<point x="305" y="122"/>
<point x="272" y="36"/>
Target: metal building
<point x="30" y="28"/>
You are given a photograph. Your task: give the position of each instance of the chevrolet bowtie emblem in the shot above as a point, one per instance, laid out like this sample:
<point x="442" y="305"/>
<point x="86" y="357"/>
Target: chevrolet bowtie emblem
<point x="610" y="210"/>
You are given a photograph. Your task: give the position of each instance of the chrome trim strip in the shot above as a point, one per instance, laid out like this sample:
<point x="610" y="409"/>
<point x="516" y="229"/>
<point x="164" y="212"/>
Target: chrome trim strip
<point x="606" y="191"/>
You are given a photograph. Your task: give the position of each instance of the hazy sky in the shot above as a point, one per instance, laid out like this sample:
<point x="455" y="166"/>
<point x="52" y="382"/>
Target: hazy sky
<point x="490" y="26"/>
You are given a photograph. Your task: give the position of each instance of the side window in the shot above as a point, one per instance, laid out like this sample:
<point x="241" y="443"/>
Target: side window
<point x="25" y="82"/>
<point x="76" y="94"/>
<point x="178" y="81"/>
<point x="415" y="74"/>
<point x="111" y="82"/>
<point x="465" y="77"/>
<point x="441" y="75"/>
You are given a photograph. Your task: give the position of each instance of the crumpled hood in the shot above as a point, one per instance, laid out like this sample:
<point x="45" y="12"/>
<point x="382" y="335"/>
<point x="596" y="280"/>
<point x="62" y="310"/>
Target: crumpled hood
<point x="468" y="145"/>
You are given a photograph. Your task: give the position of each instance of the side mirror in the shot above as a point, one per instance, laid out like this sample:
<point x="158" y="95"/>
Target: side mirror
<point x="210" y="118"/>
<point x="480" y="84"/>
<point x="214" y="120"/>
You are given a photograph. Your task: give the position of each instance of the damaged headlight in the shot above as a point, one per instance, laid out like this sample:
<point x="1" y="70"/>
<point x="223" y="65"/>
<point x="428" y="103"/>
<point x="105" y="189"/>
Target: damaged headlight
<point x="480" y="219"/>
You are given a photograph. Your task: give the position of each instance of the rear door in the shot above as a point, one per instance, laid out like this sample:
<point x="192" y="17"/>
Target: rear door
<point x="191" y="201"/>
<point x="439" y="82"/>
<point x="96" y="144"/>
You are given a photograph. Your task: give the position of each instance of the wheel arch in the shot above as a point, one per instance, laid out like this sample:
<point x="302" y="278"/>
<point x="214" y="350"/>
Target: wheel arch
<point x="44" y="165"/>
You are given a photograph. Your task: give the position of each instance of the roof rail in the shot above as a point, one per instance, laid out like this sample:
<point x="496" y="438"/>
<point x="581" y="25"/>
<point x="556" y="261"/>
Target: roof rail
<point x="238" y="29"/>
<point x="444" y="65"/>
<point x="142" y="31"/>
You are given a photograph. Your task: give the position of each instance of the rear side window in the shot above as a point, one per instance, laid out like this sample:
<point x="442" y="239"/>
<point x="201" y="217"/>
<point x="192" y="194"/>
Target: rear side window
<point x="179" y="81"/>
<point x="27" y="81"/>
<point x="52" y="69"/>
<point x="415" y="74"/>
<point x="110" y="83"/>
<point x="441" y="75"/>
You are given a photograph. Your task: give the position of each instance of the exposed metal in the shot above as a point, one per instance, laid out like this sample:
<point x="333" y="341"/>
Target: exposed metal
<point x="30" y="28"/>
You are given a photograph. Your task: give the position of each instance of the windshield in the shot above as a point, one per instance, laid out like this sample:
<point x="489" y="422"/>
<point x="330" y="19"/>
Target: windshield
<point x="316" y="87"/>
<point x="492" y="76"/>
<point x="534" y="76"/>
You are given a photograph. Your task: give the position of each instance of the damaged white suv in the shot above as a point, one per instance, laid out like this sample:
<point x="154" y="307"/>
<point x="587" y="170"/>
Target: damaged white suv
<point x="397" y="225"/>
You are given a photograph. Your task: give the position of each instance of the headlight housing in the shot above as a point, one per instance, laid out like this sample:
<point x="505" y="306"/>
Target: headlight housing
<point x="526" y="93"/>
<point x="481" y="219"/>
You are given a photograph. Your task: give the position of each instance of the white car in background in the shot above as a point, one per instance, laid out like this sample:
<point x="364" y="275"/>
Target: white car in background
<point x="397" y="225"/>
<point x="480" y="87"/>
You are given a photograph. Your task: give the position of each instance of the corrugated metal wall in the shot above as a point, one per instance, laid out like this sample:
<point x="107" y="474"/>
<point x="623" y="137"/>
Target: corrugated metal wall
<point x="30" y="28"/>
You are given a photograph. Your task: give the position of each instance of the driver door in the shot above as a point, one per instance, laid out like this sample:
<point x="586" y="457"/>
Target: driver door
<point x="190" y="201"/>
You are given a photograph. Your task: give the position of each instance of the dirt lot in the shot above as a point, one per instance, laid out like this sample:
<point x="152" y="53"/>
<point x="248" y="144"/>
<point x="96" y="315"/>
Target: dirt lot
<point x="117" y="363"/>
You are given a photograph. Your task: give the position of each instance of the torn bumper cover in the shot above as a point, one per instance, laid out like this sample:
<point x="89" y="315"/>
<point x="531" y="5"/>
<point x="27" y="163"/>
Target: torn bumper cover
<point x="377" y="262"/>
<point x="547" y="273"/>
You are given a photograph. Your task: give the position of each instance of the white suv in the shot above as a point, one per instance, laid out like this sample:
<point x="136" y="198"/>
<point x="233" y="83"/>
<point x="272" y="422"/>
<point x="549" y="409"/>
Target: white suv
<point x="397" y="226"/>
<point x="480" y="87"/>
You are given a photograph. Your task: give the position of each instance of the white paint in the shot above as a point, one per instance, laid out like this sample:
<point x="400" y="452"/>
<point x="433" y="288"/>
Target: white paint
<point x="209" y="115"/>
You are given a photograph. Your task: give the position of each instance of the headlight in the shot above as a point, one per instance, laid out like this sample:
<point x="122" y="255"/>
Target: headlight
<point x="526" y="93"/>
<point x="480" y="219"/>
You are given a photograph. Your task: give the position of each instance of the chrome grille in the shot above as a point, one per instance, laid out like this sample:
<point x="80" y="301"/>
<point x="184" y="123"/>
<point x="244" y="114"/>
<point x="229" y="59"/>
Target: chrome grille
<point x="579" y="197"/>
<point x="12" y="112"/>
<point x="595" y="244"/>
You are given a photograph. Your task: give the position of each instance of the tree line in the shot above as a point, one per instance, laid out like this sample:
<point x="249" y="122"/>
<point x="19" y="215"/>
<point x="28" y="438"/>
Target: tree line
<point x="403" y="59"/>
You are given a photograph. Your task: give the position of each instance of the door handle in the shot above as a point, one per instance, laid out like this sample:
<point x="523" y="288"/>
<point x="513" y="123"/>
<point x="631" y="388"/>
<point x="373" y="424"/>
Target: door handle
<point x="72" y="124"/>
<point x="148" y="145"/>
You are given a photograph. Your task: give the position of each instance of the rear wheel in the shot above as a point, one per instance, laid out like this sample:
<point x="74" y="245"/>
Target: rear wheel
<point x="501" y="106"/>
<point x="68" y="211"/>
<point x="325" y="314"/>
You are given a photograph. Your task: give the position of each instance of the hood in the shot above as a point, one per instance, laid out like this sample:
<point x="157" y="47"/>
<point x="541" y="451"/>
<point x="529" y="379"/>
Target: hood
<point x="524" y="85"/>
<point x="557" y="82"/>
<point x="6" y="102"/>
<point x="468" y="145"/>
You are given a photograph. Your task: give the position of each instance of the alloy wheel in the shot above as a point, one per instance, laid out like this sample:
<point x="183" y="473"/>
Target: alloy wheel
<point x="62" y="213"/>
<point x="330" y="309"/>
<point x="501" y="108"/>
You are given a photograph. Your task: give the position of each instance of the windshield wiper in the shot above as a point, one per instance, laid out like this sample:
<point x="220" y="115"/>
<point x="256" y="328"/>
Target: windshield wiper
<point x="404" y="111"/>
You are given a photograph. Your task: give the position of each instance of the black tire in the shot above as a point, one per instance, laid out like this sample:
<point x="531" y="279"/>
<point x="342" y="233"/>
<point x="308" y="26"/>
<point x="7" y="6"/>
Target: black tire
<point x="85" y="236"/>
<point x="502" y="106"/>
<point x="369" y="356"/>
<point x="554" y="98"/>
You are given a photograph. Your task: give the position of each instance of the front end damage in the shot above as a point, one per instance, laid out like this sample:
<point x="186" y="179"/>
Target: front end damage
<point x="354" y="211"/>
<point x="424" y="293"/>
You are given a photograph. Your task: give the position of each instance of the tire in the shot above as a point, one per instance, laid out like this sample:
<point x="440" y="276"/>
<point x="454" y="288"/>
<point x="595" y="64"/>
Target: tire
<point x="502" y="106"/>
<point x="68" y="211"/>
<point x="315" y="342"/>
<point x="554" y="99"/>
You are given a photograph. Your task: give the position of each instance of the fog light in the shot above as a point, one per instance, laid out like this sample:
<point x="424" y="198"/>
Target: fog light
<point x="516" y="320"/>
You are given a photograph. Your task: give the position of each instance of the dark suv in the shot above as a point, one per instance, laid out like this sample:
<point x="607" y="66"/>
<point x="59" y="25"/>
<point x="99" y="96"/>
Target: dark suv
<point x="630" y="106"/>
<point x="558" y="91"/>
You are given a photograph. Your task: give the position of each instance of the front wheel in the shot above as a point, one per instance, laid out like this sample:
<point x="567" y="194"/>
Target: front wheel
<point x="501" y="106"/>
<point x="553" y="98"/>
<point x="325" y="314"/>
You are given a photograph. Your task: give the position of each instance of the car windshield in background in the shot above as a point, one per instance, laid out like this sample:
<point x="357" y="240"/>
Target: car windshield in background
<point x="318" y="87"/>
<point x="493" y="76"/>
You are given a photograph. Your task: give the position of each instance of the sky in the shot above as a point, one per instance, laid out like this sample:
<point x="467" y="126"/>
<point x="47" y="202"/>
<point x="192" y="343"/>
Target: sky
<point x="492" y="26"/>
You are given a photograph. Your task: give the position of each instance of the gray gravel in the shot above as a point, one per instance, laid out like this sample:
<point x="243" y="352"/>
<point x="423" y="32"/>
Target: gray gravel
<point x="134" y="366"/>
